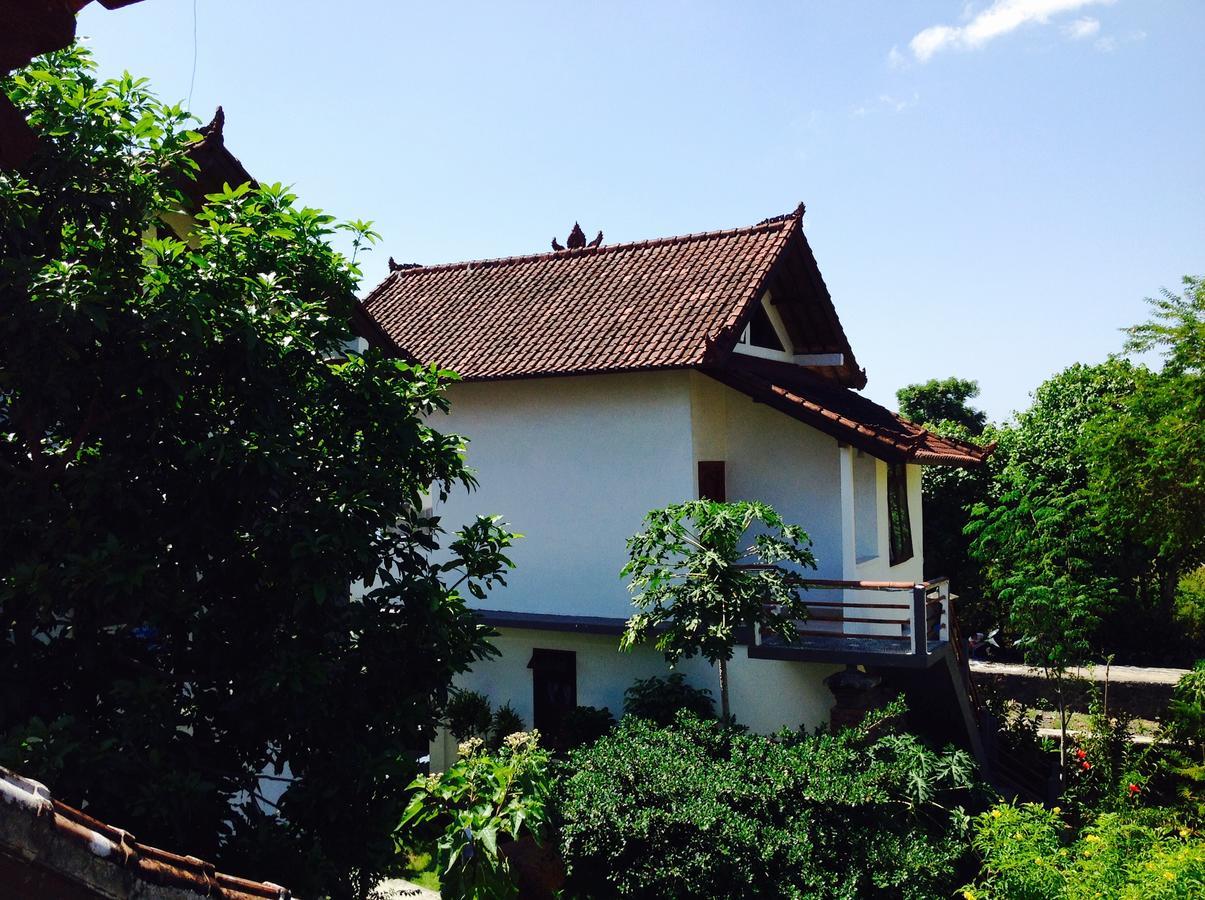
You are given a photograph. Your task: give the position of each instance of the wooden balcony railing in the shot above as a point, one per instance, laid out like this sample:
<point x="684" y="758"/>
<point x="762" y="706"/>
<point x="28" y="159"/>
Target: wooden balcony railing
<point x="902" y="617"/>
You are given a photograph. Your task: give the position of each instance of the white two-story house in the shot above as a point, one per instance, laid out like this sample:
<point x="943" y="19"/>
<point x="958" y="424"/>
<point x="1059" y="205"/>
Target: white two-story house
<point x="602" y="381"/>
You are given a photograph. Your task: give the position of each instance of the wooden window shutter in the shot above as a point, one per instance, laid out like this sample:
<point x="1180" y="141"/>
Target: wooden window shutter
<point x="712" y="485"/>
<point x="897" y="513"/>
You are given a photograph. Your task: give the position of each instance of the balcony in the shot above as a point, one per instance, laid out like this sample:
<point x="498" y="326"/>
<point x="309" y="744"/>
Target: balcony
<point x="885" y="623"/>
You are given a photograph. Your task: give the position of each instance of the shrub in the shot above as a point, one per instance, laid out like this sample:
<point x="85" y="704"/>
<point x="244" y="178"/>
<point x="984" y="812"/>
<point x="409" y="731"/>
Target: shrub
<point x="700" y="810"/>
<point x="505" y="722"/>
<point x="481" y="801"/>
<point x="1186" y="721"/>
<point x="1188" y="612"/>
<point x="467" y="714"/>
<point x="660" y="699"/>
<point x="584" y="725"/>
<point x="1030" y="853"/>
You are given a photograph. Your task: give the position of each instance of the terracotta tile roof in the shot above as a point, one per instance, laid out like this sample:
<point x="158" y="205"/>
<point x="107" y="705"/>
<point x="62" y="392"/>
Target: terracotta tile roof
<point x="50" y="849"/>
<point x="677" y="302"/>
<point x="844" y="414"/>
<point x="645" y="305"/>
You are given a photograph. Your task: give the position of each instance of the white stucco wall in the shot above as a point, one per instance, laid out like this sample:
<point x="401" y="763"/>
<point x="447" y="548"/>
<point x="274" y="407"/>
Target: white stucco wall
<point x="572" y="464"/>
<point x="575" y="463"/>
<point x="766" y="695"/>
<point x="774" y="458"/>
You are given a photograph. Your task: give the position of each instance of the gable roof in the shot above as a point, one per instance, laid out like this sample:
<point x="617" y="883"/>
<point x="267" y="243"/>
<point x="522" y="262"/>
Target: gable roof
<point x="674" y="302"/>
<point x="49" y="849"/>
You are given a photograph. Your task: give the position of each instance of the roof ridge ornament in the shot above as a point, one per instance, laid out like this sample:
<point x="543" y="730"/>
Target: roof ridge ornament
<point x="215" y="126"/>
<point x="797" y="213"/>
<point x="576" y="240"/>
<point x="398" y="267"/>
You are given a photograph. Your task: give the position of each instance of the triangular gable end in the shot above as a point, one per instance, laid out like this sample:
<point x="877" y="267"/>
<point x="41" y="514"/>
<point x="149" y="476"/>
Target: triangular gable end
<point x="793" y="319"/>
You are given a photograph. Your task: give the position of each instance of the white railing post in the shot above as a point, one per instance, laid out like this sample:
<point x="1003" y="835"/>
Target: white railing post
<point x="920" y="620"/>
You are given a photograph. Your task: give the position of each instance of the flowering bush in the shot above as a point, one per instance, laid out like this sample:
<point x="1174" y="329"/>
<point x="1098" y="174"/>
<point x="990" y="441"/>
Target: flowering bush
<point x="1031" y="853"/>
<point x="481" y="801"/>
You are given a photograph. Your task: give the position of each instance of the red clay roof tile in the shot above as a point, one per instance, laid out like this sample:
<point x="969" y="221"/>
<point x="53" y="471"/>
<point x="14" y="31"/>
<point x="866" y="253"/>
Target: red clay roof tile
<point x="844" y="414"/>
<point x="644" y="305"/>
<point x="670" y="303"/>
<point x="58" y="844"/>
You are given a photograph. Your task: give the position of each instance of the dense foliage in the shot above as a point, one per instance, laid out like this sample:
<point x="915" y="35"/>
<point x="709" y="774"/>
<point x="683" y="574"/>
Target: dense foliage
<point x="1186" y="716"/>
<point x="194" y="473"/>
<point x="701" y="571"/>
<point x="701" y="810"/>
<point x="1031" y="853"/>
<point x="1147" y="453"/>
<point x="1048" y="565"/>
<point x="473" y="809"/>
<point x="1084" y="535"/>
<point x="946" y="400"/>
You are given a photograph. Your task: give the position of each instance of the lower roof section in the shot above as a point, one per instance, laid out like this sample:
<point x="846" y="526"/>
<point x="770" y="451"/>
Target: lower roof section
<point x="842" y="413"/>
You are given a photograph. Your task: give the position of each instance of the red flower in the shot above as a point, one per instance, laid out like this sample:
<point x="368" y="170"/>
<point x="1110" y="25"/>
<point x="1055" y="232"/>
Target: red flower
<point x="1081" y="753"/>
<point x="1085" y="765"/>
<point x="1134" y="789"/>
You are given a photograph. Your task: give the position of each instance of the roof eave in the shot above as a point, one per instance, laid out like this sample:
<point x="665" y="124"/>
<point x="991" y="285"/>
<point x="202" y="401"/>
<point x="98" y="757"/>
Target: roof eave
<point x="889" y="448"/>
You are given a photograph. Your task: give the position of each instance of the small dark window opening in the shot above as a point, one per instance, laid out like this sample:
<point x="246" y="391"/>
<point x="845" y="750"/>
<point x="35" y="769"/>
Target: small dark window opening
<point x="761" y="331"/>
<point x="897" y="513"/>
<point x="554" y="688"/>
<point x="712" y="485"/>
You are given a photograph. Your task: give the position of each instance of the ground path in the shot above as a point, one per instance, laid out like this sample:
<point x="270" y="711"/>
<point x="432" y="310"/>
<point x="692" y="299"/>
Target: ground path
<point x="1123" y="674"/>
<point x="400" y="889"/>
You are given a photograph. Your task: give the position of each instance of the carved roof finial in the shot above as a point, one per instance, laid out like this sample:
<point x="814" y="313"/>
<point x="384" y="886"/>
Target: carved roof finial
<point x="395" y="266"/>
<point x="216" y="124"/>
<point x="576" y="240"/>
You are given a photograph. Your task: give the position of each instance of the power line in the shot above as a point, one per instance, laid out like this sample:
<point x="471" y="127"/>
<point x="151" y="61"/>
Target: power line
<point x="193" y="78"/>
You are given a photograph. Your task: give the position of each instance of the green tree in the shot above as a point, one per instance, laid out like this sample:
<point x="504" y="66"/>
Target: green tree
<point x="1051" y="568"/>
<point x="699" y="577"/>
<point x="194" y="473"/>
<point x="1147" y="453"/>
<point x="948" y="492"/>
<point x="943" y="400"/>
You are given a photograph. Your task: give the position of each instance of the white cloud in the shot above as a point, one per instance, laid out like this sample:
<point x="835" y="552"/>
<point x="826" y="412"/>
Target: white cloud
<point x="886" y="103"/>
<point x="1001" y="18"/>
<point x="1081" y="29"/>
<point x="1108" y="43"/>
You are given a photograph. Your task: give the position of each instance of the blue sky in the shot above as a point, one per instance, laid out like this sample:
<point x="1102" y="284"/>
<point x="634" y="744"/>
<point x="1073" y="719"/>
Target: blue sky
<point x="992" y="187"/>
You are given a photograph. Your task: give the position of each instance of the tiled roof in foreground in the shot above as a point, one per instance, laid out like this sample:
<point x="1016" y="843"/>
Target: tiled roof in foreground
<point x="49" y="849"/>
<point x="646" y="305"/>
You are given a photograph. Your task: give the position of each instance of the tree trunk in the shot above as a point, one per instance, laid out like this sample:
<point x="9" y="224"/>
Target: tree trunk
<point x="1058" y="675"/>
<point x="725" y="712"/>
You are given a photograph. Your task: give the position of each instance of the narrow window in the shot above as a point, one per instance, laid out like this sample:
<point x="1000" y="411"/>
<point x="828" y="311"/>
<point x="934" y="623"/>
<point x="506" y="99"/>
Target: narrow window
<point x="897" y="513"/>
<point x="711" y="480"/>
<point x="554" y="688"/>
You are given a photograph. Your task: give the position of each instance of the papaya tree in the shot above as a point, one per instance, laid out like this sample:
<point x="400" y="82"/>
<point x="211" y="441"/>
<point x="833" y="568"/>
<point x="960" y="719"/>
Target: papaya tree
<point x="703" y="571"/>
